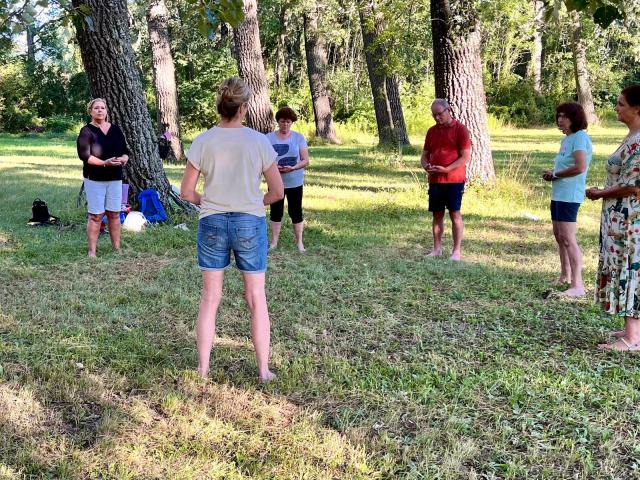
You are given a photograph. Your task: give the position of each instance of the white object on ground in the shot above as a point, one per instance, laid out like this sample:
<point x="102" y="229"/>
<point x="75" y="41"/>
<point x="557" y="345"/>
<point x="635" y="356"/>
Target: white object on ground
<point x="134" y="222"/>
<point x="531" y="216"/>
<point x="182" y="226"/>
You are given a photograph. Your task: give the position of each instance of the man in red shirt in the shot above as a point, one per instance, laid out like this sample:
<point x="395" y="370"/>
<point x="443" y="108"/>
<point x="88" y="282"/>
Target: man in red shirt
<point x="447" y="149"/>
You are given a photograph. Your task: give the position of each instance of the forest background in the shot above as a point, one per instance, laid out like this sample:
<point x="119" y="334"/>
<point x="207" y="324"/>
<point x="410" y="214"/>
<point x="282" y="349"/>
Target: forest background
<point x="43" y="86"/>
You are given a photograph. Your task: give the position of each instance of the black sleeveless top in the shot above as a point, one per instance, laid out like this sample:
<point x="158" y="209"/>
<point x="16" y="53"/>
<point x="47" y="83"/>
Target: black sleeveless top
<point x="92" y="141"/>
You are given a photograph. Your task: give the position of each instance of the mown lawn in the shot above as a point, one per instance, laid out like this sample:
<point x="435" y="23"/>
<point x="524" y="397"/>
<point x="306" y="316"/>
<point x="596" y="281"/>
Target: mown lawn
<point x="390" y="366"/>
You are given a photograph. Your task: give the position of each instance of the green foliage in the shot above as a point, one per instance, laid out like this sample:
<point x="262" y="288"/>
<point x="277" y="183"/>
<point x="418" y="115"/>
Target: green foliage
<point x="16" y="99"/>
<point x="62" y="124"/>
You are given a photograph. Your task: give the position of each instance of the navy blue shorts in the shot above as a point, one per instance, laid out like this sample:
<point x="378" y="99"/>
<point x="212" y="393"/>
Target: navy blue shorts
<point x="564" y="211"/>
<point x="242" y="233"/>
<point x="445" y="195"/>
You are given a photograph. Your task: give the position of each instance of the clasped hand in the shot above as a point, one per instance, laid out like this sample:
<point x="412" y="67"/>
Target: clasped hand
<point x="547" y="175"/>
<point x="593" y="193"/>
<point x="115" y="161"/>
<point x="435" y="168"/>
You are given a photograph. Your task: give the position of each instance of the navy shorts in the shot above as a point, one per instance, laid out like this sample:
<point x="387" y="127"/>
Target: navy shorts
<point x="242" y="233"/>
<point x="445" y="195"/>
<point x="564" y="211"/>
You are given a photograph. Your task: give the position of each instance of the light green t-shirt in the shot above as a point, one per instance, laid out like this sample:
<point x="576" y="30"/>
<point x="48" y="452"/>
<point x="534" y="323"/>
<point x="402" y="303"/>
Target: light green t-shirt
<point x="571" y="189"/>
<point x="231" y="161"/>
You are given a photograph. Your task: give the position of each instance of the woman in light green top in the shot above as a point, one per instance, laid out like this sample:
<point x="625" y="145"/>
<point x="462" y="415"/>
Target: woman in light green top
<point x="568" y="179"/>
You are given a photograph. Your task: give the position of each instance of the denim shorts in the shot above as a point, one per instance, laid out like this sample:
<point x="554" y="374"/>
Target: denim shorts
<point x="564" y="211"/>
<point x="245" y="234"/>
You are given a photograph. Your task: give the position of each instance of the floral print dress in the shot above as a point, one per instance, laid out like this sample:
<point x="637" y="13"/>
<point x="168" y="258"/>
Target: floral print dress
<point x="618" y="285"/>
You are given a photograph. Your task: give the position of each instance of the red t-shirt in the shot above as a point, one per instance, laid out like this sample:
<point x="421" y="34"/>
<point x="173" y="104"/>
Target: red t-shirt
<point x="445" y="144"/>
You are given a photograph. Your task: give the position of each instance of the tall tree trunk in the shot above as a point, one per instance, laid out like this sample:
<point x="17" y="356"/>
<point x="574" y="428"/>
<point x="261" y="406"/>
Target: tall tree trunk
<point x="536" y="54"/>
<point x="280" y="45"/>
<point x="389" y="133"/>
<point x="164" y="77"/>
<point x="316" y="69"/>
<point x="393" y="93"/>
<point x="112" y="72"/>
<point x="458" y="78"/>
<point x="248" y="53"/>
<point x="583" y="87"/>
<point x="31" y="48"/>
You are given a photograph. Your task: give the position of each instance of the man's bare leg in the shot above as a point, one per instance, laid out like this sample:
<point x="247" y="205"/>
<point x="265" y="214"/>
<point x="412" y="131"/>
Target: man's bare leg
<point x="437" y="228"/>
<point x="458" y="231"/>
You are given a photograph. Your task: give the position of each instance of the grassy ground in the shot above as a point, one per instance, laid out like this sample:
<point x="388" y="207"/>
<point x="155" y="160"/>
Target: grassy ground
<point x="390" y="365"/>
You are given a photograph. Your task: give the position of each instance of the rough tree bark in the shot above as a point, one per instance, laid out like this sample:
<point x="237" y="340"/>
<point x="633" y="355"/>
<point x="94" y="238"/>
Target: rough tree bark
<point x="386" y="100"/>
<point x="164" y="78"/>
<point x="248" y="53"/>
<point x="316" y="69"/>
<point x="536" y="54"/>
<point x="458" y="77"/>
<point x="393" y="93"/>
<point x="112" y="72"/>
<point x="583" y="87"/>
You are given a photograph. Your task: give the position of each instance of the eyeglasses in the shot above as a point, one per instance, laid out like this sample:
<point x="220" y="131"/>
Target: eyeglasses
<point x="437" y="114"/>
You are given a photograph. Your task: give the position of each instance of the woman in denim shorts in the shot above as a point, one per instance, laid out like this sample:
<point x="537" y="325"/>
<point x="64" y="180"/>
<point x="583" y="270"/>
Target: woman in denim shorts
<point x="568" y="179"/>
<point x="232" y="159"/>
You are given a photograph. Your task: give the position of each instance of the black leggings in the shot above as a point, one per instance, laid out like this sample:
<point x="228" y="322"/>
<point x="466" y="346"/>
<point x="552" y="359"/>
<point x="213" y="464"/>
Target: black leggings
<point x="294" y="206"/>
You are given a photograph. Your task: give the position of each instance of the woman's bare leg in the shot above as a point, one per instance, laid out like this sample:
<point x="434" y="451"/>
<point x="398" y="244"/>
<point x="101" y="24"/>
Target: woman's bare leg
<point x="93" y="231"/>
<point x="260" y="325"/>
<point x="567" y="234"/>
<point x="275" y="233"/>
<point x="206" y="326"/>
<point x="298" y="228"/>
<point x="113" y="219"/>
<point x="565" y="264"/>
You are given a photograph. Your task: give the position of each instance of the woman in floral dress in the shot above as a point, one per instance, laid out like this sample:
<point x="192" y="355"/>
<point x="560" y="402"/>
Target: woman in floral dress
<point x="618" y="281"/>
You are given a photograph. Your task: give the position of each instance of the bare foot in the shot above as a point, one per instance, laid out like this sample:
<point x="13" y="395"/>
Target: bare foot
<point x="266" y="378"/>
<point x="618" y="333"/>
<point x="273" y="246"/>
<point x="91" y="254"/>
<point x="456" y="257"/>
<point x="573" y="292"/>
<point x="621" y="345"/>
<point x="560" y="281"/>
<point x="301" y="248"/>
<point x="435" y="253"/>
<point x="202" y="372"/>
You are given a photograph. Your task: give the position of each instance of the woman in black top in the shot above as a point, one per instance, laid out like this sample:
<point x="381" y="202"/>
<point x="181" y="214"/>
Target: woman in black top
<point x="103" y="151"/>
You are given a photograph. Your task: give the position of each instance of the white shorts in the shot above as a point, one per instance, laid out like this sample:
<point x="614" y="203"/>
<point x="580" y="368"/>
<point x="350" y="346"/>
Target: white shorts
<point x="103" y="196"/>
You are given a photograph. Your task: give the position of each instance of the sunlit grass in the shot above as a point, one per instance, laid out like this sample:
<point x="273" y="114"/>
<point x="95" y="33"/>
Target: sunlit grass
<point x="390" y="365"/>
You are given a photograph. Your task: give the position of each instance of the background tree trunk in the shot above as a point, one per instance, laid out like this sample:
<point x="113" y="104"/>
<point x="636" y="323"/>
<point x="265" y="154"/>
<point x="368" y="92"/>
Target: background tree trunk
<point x="388" y="132"/>
<point x="31" y="48"/>
<point x="316" y="69"/>
<point x="583" y="87"/>
<point x="393" y="94"/>
<point x="458" y="78"/>
<point x="248" y="53"/>
<point x="164" y="78"/>
<point x="536" y="54"/>
<point x="112" y="72"/>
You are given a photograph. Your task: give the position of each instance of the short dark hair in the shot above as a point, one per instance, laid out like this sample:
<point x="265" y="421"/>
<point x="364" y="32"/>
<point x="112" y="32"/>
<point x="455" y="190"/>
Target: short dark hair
<point x="287" y="113"/>
<point x="575" y="113"/>
<point x="632" y="95"/>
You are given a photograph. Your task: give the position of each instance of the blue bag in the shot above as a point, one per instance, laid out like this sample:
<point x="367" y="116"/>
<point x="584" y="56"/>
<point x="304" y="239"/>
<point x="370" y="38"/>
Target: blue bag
<point x="151" y="206"/>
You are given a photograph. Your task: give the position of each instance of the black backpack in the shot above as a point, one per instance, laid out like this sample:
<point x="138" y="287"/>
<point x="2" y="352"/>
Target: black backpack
<point x="41" y="215"/>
